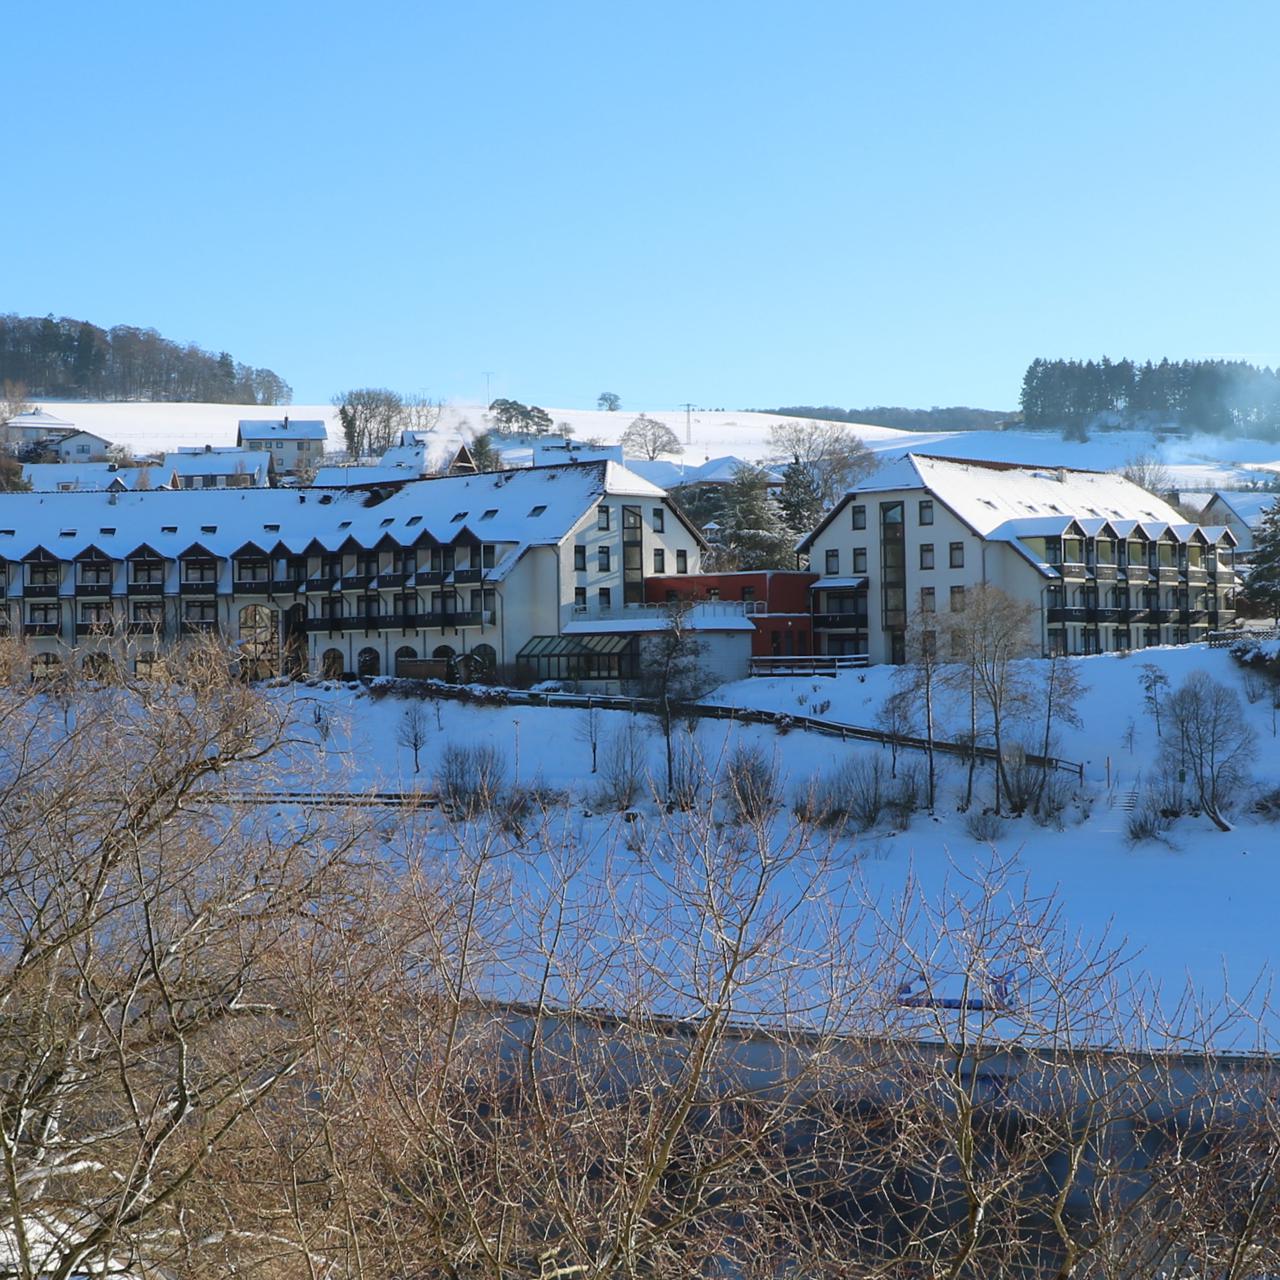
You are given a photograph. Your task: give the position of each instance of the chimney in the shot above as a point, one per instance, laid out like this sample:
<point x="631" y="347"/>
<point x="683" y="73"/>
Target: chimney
<point x="1061" y="475"/>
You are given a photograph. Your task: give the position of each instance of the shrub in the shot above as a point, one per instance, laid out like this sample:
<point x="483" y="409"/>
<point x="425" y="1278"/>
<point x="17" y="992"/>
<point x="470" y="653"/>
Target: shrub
<point x="984" y="826"/>
<point x="751" y="782"/>
<point x="1147" y="820"/>
<point x="622" y="768"/>
<point x="688" y="774"/>
<point x="470" y="780"/>
<point x="906" y="794"/>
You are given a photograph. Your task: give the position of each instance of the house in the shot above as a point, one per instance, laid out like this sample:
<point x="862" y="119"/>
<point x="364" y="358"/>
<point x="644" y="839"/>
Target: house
<point x="296" y="444"/>
<point x="217" y="468"/>
<point x="31" y="428"/>
<point x="1241" y="512"/>
<point x="487" y="571"/>
<point x="400" y="462"/>
<point x="712" y="472"/>
<point x="68" y="477"/>
<point x="79" y="446"/>
<point x="775" y="600"/>
<point x="1105" y="565"/>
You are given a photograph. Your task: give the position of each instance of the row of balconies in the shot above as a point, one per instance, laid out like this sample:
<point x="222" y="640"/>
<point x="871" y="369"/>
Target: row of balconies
<point x="402" y="621"/>
<point x="264" y="586"/>
<point x="1085" y="615"/>
<point x="187" y="626"/>
<point x="1137" y="572"/>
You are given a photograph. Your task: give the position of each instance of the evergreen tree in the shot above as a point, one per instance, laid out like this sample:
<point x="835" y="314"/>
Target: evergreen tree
<point x="753" y="534"/>
<point x="800" y="498"/>
<point x="1262" y="584"/>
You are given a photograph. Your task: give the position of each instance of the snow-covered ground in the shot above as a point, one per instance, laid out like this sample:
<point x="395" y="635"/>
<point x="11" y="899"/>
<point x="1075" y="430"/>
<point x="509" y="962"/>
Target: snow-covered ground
<point x="1197" y="907"/>
<point x="1200" y="462"/>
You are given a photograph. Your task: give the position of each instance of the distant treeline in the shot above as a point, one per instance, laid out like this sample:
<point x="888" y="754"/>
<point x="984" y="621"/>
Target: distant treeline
<point x="69" y="359"/>
<point x="958" y="418"/>
<point x="1223" y="397"/>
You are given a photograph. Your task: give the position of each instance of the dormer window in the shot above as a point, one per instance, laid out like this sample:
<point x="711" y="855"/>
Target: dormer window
<point x="458" y="516"/>
<point x="537" y="511"/>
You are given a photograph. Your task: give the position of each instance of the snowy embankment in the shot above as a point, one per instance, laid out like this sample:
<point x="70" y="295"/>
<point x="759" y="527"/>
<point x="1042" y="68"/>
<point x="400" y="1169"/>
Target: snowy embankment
<point x="1196" y="907"/>
<point x="1199" y="462"/>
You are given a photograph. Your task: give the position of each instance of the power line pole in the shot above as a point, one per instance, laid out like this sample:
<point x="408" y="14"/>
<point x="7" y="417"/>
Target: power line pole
<point x="488" y="399"/>
<point x="688" y="422"/>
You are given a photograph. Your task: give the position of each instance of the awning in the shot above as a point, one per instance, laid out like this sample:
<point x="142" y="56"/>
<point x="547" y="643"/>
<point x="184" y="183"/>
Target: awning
<point x="837" y="584"/>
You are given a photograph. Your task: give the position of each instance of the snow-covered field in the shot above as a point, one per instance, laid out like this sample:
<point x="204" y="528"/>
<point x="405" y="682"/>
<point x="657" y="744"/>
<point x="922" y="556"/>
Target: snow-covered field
<point x="1197" y="907"/>
<point x="1201" y="462"/>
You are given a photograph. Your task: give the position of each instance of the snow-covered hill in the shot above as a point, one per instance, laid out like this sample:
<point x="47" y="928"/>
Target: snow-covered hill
<point x="1200" y="462"/>
<point x="1195" y="907"/>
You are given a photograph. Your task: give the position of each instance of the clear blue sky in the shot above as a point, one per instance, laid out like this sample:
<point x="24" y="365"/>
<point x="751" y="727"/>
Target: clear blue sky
<point x="739" y="204"/>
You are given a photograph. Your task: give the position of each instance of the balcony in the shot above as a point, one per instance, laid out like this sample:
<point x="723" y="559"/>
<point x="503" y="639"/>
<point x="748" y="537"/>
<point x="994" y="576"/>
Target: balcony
<point x="251" y="586"/>
<point x="1060" y="613"/>
<point x="138" y="628"/>
<point x="105" y="628"/>
<point x="199" y="626"/>
<point x="40" y="590"/>
<point x="430" y="578"/>
<point x="41" y="628"/>
<point x="840" y="621"/>
<point x="355" y="581"/>
<point x="286" y="586"/>
<point x="401" y="621"/>
<point x="200" y="588"/>
<point x="1104" y="572"/>
<point x="93" y="588"/>
<point x="145" y="588"/>
<point x="467" y="575"/>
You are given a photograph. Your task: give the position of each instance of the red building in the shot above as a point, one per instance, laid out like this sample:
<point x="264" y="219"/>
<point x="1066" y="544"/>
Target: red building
<point x="776" y="600"/>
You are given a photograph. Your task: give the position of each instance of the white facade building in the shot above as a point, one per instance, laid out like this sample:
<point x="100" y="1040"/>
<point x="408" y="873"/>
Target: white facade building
<point x="1241" y="512"/>
<point x="1107" y="565"/>
<point x="296" y="444"/>
<point x="468" y="569"/>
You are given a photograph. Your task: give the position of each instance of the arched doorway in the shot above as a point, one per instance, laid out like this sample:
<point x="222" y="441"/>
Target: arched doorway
<point x="259" y="641"/>
<point x="99" y="667"/>
<point x="482" y="662"/>
<point x="294" y="655"/>
<point x="44" y="666"/>
<point x="368" y="663"/>
<point x="444" y="653"/>
<point x="405" y="653"/>
<point x="331" y="664"/>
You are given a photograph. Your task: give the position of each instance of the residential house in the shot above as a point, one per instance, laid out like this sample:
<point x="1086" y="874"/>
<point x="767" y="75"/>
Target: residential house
<point x="1241" y="511"/>
<point x="491" y="571"/>
<point x="32" y="428"/>
<point x="296" y="444"/>
<point x="69" y="477"/>
<point x="217" y="468"/>
<point x="1106" y="565"/>
<point x="79" y="446"/>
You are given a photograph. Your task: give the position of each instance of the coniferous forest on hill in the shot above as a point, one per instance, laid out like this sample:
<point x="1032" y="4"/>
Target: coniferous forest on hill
<point x="1220" y="397"/>
<point x="68" y="359"/>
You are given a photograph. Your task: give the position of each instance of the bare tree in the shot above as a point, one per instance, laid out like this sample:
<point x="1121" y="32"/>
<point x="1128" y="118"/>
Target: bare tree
<point x="13" y="401"/>
<point x="370" y="418"/>
<point x="1212" y="743"/>
<point x="921" y="677"/>
<point x="588" y="731"/>
<point x="835" y="457"/>
<point x="992" y="634"/>
<point x="420" y="413"/>
<point x="673" y="673"/>
<point x="648" y="438"/>
<point x="1062" y="690"/>
<point x="413" y="730"/>
<point x="1149" y="473"/>
<point x="1155" y="686"/>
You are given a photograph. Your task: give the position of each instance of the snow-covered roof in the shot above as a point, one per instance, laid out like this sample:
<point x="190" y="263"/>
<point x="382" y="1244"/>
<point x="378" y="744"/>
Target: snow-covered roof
<point x="88" y="435"/>
<point x="527" y="508"/>
<point x="368" y="473"/>
<point x="218" y="462"/>
<point x="720" y="470"/>
<point x="991" y="496"/>
<point x="91" y="476"/>
<point x="409" y="455"/>
<point x="1247" y="506"/>
<point x="39" y="418"/>
<point x="282" y="429"/>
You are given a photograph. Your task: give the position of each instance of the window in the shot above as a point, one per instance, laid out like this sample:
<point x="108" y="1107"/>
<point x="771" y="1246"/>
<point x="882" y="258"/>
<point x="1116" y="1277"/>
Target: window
<point x="748" y="593"/>
<point x="43" y="615"/>
<point x="928" y="600"/>
<point x="926" y="555"/>
<point x="659" y="520"/>
<point x="602" y="559"/>
<point x="859" y="560"/>
<point x="95" y="613"/>
<point x="42" y="574"/>
<point x="95" y="574"/>
<point x="957" y="599"/>
<point x="579" y="597"/>
<point x="602" y="517"/>
<point x="204" y="571"/>
<point x="605" y="597"/>
<point x="200" y="611"/>
<point x="659" y="560"/>
<point x="833" y="561"/>
<point x="580" y="559"/>
<point x="957" y="555"/>
<point x="147" y="572"/>
<point x="682" y="562"/>
<point x="489" y="513"/>
<point x="859" y="517"/>
<point x="148" y="613"/>
<point x="537" y="511"/>
<point x="926" y="511"/>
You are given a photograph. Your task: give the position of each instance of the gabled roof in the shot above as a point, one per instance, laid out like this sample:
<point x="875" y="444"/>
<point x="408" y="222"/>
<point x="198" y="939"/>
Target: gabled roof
<point x="221" y="520"/>
<point x="1248" y="506"/>
<point x="987" y="495"/>
<point x="282" y="429"/>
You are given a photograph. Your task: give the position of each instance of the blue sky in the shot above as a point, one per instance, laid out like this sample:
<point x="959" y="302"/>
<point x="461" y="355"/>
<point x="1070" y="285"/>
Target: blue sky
<point x="737" y="204"/>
